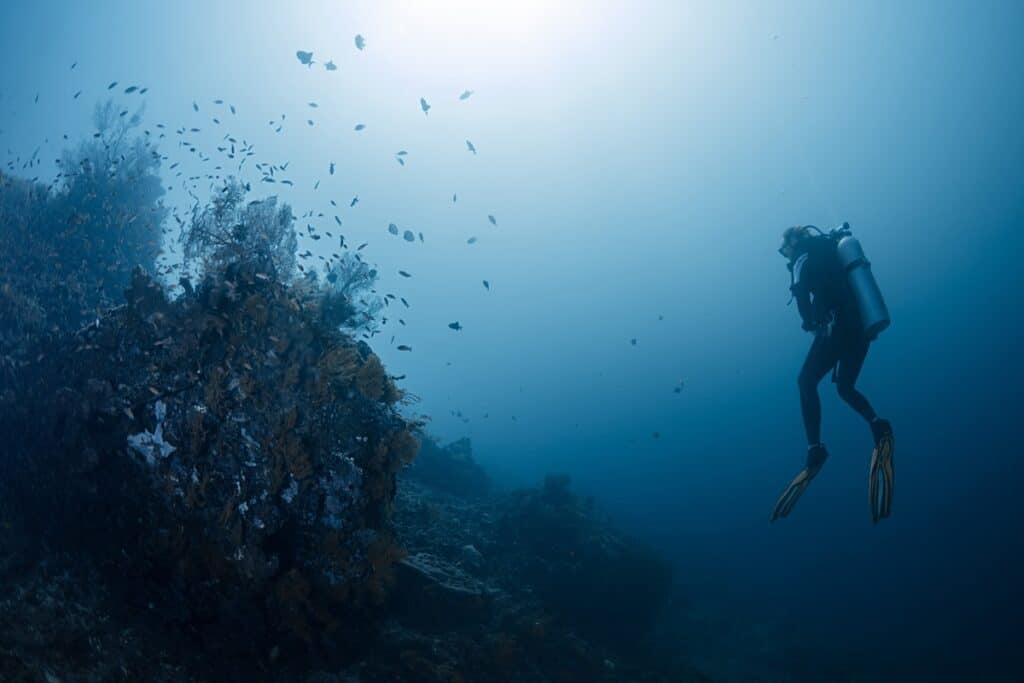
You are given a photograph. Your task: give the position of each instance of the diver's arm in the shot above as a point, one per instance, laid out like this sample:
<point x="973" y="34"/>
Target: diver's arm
<point x="802" y="293"/>
<point x="806" y="308"/>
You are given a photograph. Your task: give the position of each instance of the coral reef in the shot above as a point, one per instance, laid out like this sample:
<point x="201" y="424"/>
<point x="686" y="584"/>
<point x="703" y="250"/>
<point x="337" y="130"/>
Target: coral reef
<point x="225" y="452"/>
<point x="226" y="458"/>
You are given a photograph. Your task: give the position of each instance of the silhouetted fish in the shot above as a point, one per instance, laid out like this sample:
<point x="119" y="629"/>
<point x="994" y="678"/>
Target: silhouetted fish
<point x="305" y="57"/>
<point x="424" y="105"/>
<point x="360" y="41"/>
<point x="466" y="94"/>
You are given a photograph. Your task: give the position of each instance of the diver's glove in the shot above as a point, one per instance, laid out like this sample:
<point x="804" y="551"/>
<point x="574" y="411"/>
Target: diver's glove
<point x="816" y="456"/>
<point x="881" y="474"/>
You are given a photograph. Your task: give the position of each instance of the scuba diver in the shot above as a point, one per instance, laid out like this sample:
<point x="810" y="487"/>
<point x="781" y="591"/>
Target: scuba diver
<point x="840" y="303"/>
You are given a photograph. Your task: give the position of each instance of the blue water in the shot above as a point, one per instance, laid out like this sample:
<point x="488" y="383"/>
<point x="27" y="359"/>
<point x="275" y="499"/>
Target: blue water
<point x="641" y="161"/>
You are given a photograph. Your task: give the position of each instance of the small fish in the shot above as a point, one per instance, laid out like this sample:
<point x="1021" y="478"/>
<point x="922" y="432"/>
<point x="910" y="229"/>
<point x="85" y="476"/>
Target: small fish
<point x="73" y="66"/>
<point x="466" y="94"/>
<point x="455" y="326"/>
<point x="408" y="236"/>
<point x="392" y="228"/>
<point x="195" y="106"/>
<point x="130" y="89"/>
<point x="455" y="198"/>
<point x="404" y="274"/>
<point x="492" y="219"/>
<point x="471" y="240"/>
<point x="313" y="105"/>
<point x="331" y="168"/>
<point x="355" y="200"/>
<point x="331" y="66"/>
<point x="424" y="105"/>
<point x="400" y="160"/>
<point x="487" y="285"/>
<point x="305" y="57"/>
<point x="470" y="146"/>
<point x="360" y="41"/>
<point x="76" y="95"/>
<point x="360" y="126"/>
<point x="112" y="85"/>
<point x="633" y="341"/>
<point x="401" y="153"/>
<point x="403" y="347"/>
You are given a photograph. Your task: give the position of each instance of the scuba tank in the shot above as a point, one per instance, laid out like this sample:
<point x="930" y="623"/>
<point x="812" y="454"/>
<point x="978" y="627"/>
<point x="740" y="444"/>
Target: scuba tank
<point x="874" y="314"/>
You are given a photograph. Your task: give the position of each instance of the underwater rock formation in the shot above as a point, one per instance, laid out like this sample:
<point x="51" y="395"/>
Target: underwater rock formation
<point x="436" y="594"/>
<point x="450" y="468"/>
<point x="607" y="585"/>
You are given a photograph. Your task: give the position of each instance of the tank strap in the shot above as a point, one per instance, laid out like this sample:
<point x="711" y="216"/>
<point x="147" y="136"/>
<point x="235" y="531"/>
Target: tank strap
<point x="853" y="264"/>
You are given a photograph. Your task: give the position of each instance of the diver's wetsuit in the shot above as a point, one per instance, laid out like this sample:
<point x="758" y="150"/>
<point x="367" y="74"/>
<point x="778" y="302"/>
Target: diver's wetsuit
<point x="828" y="308"/>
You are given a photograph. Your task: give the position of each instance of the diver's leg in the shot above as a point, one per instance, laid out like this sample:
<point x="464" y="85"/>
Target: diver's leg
<point x="852" y="353"/>
<point x="881" y="473"/>
<point x="820" y="359"/>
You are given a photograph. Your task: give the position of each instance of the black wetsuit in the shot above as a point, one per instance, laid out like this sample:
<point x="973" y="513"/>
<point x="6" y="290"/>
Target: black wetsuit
<point x="828" y="308"/>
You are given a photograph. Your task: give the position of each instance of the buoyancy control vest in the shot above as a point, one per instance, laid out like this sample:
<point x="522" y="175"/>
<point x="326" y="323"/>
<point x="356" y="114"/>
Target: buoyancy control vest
<point x="840" y="244"/>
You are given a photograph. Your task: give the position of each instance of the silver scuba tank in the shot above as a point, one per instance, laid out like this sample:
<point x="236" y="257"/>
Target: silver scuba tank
<point x="873" y="312"/>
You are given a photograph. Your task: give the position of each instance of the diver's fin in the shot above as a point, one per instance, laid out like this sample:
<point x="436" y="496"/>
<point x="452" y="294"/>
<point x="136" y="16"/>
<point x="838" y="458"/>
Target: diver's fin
<point x="791" y="495"/>
<point x="881" y="476"/>
<point x="815" y="459"/>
